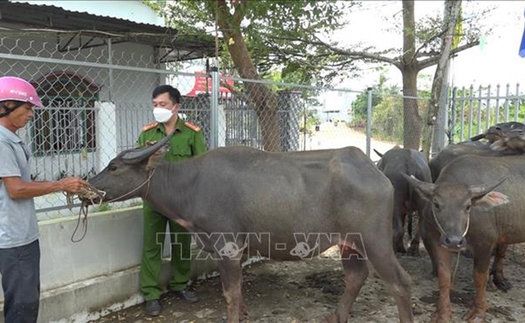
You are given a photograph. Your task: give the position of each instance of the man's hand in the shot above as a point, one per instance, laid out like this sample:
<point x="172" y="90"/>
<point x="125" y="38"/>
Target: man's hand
<point x="72" y="185"/>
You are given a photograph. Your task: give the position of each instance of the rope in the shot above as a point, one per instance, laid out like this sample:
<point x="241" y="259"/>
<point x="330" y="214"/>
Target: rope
<point x="456" y="268"/>
<point x="90" y="193"/>
<point x="135" y="189"/>
<point x="440" y="228"/>
<point x="442" y="231"/>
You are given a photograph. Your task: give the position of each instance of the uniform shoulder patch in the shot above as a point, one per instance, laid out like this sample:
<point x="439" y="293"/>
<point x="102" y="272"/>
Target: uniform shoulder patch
<point x="149" y="126"/>
<point x="192" y="126"/>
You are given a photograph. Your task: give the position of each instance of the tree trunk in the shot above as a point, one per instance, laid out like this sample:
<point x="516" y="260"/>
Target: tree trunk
<point x="409" y="70"/>
<point x="411" y="117"/>
<point x="452" y="13"/>
<point x="261" y="98"/>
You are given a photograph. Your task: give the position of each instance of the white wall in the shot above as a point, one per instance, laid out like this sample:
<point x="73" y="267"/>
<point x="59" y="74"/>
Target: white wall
<point x="82" y="281"/>
<point x="112" y="244"/>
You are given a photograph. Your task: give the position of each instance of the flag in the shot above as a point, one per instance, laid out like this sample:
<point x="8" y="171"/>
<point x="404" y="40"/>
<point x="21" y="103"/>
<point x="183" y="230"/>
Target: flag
<point x="522" y="45"/>
<point x="482" y="42"/>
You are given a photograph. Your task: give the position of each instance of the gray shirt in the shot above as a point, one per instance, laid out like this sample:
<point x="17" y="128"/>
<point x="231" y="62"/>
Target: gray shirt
<point x="18" y="223"/>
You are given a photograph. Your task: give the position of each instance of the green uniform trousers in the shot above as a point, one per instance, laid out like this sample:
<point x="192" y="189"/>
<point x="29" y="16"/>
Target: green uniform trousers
<point x="154" y="237"/>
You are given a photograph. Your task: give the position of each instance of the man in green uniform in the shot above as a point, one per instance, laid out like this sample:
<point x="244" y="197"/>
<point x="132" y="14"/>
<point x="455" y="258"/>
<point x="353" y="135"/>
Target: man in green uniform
<point x="188" y="141"/>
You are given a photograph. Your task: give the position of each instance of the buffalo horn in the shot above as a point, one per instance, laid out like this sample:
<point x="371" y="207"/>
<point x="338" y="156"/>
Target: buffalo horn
<point x="378" y="153"/>
<point x="482" y="189"/>
<point x="424" y="187"/>
<point x="137" y="155"/>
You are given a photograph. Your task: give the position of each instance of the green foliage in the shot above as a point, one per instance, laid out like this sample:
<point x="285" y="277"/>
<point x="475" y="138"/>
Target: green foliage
<point x="387" y="119"/>
<point x="507" y="111"/>
<point x="280" y="35"/>
<point x="360" y="105"/>
<point x="104" y="207"/>
<point x="387" y="111"/>
<point x="309" y="119"/>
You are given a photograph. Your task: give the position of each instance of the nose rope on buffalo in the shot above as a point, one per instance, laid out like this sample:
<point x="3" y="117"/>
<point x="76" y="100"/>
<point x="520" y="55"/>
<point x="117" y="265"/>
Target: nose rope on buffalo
<point x="90" y="193"/>
<point x="442" y="231"/>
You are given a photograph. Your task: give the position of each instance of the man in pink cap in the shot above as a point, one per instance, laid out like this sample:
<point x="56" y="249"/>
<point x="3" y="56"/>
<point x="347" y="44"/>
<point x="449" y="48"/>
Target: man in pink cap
<point x="19" y="246"/>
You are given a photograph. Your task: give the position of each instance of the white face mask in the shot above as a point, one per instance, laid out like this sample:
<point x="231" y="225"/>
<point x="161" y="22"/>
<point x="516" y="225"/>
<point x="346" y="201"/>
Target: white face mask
<point x="162" y="115"/>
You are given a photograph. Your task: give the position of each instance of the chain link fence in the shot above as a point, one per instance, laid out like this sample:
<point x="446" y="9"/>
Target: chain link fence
<point x="98" y="98"/>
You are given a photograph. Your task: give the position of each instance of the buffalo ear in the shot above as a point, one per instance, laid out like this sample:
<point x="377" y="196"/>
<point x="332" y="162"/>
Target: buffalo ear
<point x="490" y="200"/>
<point x="498" y="145"/>
<point x="484" y="196"/>
<point x="425" y="189"/>
<point x="155" y="159"/>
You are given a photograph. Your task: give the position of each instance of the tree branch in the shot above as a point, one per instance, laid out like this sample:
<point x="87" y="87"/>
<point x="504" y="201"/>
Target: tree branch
<point x="434" y="59"/>
<point x="427" y="42"/>
<point x="343" y="52"/>
<point x="240" y="11"/>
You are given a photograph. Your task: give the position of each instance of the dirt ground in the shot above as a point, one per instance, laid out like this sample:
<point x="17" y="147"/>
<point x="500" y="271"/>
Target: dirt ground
<point x="304" y="291"/>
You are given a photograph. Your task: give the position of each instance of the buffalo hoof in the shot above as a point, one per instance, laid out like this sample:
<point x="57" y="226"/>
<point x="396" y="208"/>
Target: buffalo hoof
<point x="502" y="284"/>
<point x="475" y="315"/>
<point x="330" y="318"/>
<point x="225" y="320"/>
<point x="243" y="318"/>
<point x="491" y="287"/>
<point x="441" y="317"/>
<point x="413" y="251"/>
<point x="400" y="251"/>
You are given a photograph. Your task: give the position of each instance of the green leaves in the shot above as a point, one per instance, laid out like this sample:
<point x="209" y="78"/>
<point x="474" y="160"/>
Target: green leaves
<point x="280" y="35"/>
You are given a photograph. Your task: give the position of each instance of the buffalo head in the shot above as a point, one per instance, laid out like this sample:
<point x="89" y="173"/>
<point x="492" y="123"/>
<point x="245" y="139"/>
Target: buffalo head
<point x="450" y="205"/>
<point x="127" y="175"/>
<point x="514" y="141"/>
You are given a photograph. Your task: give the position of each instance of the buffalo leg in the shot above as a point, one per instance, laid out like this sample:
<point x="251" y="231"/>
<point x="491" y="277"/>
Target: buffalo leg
<point x="395" y="277"/>
<point x="231" y="279"/>
<point x="356" y="272"/>
<point x="481" y="267"/>
<point x="399" y="231"/>
<point x="429" y="244"/>
<point x="413" y="250"/>
<point x="443" y="311"/>
<point x="497" y="269"/>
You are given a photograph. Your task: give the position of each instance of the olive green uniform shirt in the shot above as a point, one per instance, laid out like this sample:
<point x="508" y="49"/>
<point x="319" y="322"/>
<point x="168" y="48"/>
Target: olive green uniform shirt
<point x="185" y="143"/>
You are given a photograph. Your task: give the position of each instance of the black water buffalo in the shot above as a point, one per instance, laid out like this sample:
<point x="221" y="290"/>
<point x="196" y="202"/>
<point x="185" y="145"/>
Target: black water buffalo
<point x="498" y="131"/>
<point x="462" y="205"/>
<point x="272" y="203"/>
<point x="513" y="142"/>
<point x="453" y="151"/>
<point x="406" y="200"/>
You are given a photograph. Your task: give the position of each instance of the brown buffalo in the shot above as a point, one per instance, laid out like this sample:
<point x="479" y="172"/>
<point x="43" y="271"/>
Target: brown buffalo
<point x="462" y="209"/>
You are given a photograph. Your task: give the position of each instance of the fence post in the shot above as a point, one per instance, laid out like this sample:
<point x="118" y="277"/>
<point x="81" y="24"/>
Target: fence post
<point x="452" y="117"/>
<point x="438" y="138"/>
<point x="110" y="70"/>
<point x="214" y="106"/>
<point x="368" y="121"/>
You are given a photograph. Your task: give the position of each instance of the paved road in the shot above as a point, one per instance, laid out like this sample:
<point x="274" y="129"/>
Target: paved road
<point x="331" y="136"/>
